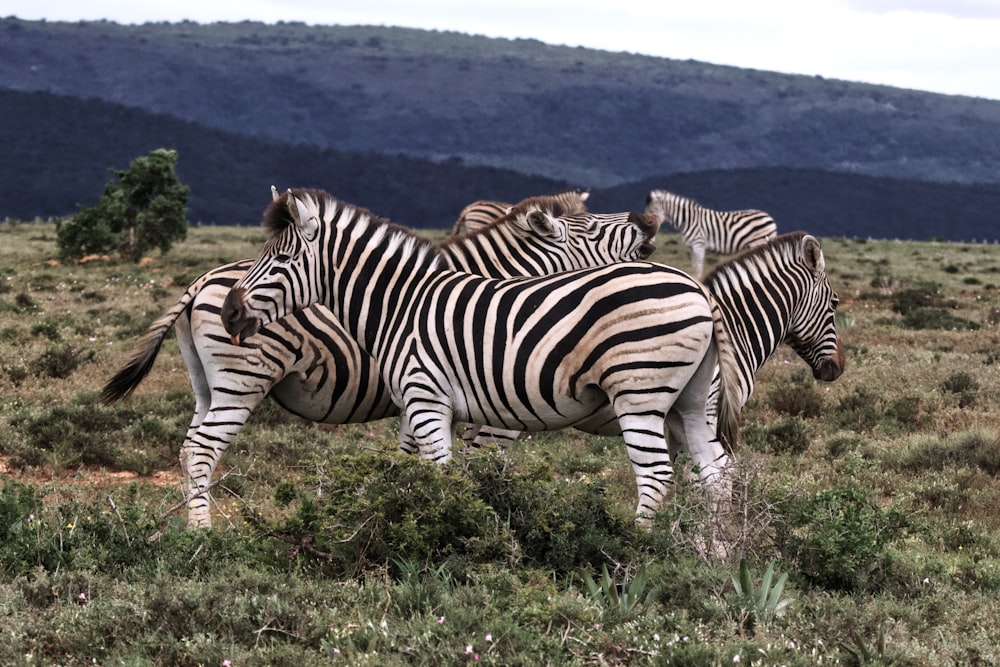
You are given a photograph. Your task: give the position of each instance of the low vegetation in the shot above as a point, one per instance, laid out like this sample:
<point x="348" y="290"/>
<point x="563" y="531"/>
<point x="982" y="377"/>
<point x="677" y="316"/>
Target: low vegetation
<point x="867" y="530"/>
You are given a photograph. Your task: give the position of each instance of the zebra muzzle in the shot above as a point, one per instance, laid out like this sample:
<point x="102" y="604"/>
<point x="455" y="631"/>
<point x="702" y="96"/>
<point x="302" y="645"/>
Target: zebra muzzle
<point x="239" y="325"/>
<point x="830" y="368"/>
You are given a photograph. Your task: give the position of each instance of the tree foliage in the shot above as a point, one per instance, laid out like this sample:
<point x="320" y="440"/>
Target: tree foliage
<point x="144" y="209"/>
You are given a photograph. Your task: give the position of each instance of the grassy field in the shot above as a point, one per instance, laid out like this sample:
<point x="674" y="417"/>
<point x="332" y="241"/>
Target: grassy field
<point x="877" y="495"/>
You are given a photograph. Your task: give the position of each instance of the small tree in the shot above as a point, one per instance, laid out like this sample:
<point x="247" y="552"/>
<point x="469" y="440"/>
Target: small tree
<point x="145" y="210"/>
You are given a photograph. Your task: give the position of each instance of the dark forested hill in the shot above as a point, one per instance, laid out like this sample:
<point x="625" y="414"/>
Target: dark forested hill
<point x="416" y="123"/>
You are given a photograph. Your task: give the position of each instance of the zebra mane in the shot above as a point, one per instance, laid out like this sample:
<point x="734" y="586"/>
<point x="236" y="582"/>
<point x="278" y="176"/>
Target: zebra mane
<point x="277" y="218"/>
<point x="679" y="199"/>
<point x="756" y="259"/>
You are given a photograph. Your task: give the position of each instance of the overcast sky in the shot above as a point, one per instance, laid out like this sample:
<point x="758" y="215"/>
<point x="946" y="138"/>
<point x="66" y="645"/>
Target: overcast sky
<point x="945" y="46"/>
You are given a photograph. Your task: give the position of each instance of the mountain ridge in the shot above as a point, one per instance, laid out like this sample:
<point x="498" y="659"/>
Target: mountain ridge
<point x="411" y="122"/>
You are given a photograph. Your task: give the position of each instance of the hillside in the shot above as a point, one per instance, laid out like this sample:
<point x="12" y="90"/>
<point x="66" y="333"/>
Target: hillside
<point x="415" y="124"/>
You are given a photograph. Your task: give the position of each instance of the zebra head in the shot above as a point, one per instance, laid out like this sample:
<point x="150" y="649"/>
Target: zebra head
<point x="812" y="330"/>
<point x="281" y="280"/>
<point x="665" y="207"/>
<point x="584" y="239"/>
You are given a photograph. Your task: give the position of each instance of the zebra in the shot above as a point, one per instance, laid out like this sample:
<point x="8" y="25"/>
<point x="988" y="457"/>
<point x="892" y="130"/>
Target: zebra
<point x="726" y="232"/>
<point x="638" y="339"/>
<point x="306" y="361"/>
<point x="776" y="292"/>
<point x="481" y="213"/>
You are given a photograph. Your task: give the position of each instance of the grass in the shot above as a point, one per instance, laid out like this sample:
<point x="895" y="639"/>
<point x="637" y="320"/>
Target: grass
<point x="876" y="494"/>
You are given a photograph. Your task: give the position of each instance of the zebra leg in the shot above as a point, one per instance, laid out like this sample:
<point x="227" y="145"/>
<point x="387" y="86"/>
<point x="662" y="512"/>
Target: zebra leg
<point x="647" y="450"/>
<point x="692" y="428"/>
<point x="427" y="426"/>
<point x="203" y="450"/>
<point x="697" y="258"/>
<point x="199" y="515"/>
<point x="481" y="436"/>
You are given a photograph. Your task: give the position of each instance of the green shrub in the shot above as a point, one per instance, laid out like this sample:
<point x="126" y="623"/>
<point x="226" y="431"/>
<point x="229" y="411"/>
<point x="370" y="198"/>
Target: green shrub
<point x="797" y="397"/>
<point x="788" y="436"/>
<point x="936" y="318"/>
<point x="67" y="436"/>
<point x="375" y="507"/>
<point x="858" y="411"/>
<point x="59" y="361"/>
<point x="838" y="539"/>
<point x="969" y="450"/>
<point x="962" y="385"/>
<point x="921" y="295"/>
<point x="559" y="525"/>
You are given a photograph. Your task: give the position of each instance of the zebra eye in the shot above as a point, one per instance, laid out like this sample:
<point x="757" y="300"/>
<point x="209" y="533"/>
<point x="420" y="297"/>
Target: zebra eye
<point x="835" y="301"/>
<point x="283" y="258"/>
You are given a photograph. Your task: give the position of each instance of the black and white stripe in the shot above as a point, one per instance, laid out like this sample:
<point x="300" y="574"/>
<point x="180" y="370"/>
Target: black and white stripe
<point x="308" y="363"/>
<point x="778" y="292"/>
<point x="540" y="353"/>
<point x="725" y="232"/>
<point x="485" y="212"/>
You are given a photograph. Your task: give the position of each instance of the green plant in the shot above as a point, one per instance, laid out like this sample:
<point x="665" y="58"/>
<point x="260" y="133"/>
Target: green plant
<point x="863" y="655"/>
<point x="964" y="386"/>
<point x="59" y="361"/>
<point x="936" y="318"/>
<point x="838" y="538"/>
<point x="797" y="397"/>
<point x="144" y="211"/>
<point x="623" y="597"/>
<point x="761" y="605"/>
<point x="921" y="295"/>
<point x="788" y="436"/>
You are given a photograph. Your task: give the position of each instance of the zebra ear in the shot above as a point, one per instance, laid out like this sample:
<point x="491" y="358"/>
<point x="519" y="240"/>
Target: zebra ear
<point x="543" y="225"/>
<point x="274" y="193"/>
<point x="813" y="254"/>
<point x="306" y="222"/>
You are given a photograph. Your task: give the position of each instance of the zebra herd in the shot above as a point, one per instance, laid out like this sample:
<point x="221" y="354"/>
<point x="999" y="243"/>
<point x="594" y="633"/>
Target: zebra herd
<point x="547" y="318"/>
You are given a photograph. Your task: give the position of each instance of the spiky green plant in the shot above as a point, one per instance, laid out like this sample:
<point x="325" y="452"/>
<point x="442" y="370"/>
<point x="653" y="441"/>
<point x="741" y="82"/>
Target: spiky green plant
<point x="759" y="605"/>
<point x="623" y="597"/>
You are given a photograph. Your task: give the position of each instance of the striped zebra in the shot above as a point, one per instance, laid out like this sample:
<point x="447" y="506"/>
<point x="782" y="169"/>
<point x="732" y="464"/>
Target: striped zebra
<point x="726" y="232"/>
<point x="308" y="363"/>
<point x="777" y="292"/>
<point x="540" y="353"/>
<point x="481" y="213"/>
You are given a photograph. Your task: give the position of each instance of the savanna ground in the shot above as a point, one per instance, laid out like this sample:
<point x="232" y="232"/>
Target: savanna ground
<point x="877" y="495"/>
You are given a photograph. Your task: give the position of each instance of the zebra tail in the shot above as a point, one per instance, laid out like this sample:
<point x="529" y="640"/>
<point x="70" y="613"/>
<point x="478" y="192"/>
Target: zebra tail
<point x="144" y="353"/>
<point x="729" y="408"/>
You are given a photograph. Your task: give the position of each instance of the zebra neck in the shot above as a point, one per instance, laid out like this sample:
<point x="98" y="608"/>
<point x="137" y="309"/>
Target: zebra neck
<point x="757" y="313"/>
<point x="492" y="252"/>
<point x="374" y="278"/>
<point x="684" y="216"/>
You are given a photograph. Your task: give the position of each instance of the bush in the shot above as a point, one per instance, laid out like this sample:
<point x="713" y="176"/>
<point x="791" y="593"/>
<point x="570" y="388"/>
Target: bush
<point x="962" y="385"/>
<point x="797" y="397"/>
<point x="788" y="436"/>
<point x="83" y="434"/>
<point x="838" y="539"/>
<point x="921" y="295"/>
<point x="936" y="318"/>
<point x="375" y="507"/>
<point x="858" y="411"/>
<point x="59" y="361"/>
<point x="558" y="525"/>
<point x="145" y="211"/>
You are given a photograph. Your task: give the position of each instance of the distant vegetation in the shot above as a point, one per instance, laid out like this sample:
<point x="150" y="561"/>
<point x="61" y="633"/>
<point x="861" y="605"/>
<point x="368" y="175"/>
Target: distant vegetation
<point x="414" y="124"/>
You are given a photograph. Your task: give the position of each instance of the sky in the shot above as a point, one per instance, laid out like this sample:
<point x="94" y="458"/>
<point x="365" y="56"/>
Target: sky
<point x="943" y="46"/>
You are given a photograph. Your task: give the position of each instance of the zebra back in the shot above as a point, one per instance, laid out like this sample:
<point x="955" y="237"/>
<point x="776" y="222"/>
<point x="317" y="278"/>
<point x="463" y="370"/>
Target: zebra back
<point x="724" y="232"/>
<point x="482" y="213"/>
